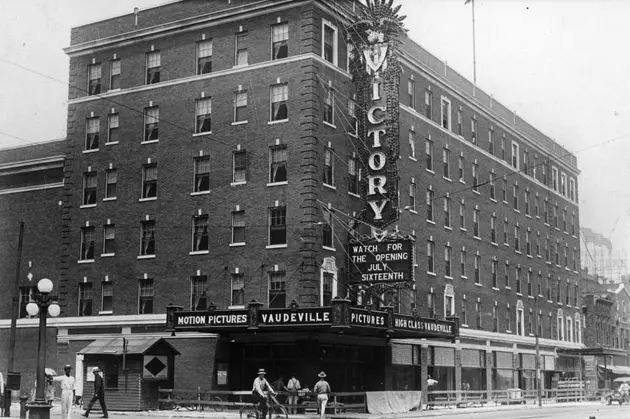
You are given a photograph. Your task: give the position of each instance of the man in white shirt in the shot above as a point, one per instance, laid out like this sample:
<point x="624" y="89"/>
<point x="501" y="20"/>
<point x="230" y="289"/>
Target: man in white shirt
<point x="68" y="387"/>
<point x="258" y="390"/>
<point x="624" y="389"/>
<point x="293" y="386"/>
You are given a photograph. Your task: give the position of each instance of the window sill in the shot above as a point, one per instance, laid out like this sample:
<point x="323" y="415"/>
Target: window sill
<point x="529" y="256"/>
<point x="88" y="206"/>
<point x="531" y="297"/>
<point x="463" y="229"/>
<point x="94" y="150"/>
<point x="448" y="228"/>
<point x="430" y="171"/>
<point x="517" y="211"/>
<point x="508" y="288"/>
<point x="413" y="158"/>
<point x="493" y="200"/>
<point x="114" y="90"/>
<point x="331" y="249"/>
<point x="285" y="182"/>
<point x="329" y="124"/>
<point x="199" y="252"/>
<point x="505" y="202"/>
<point x="112" y="143"/>
<point x="153" y="198"/>
<point x="431" y="273"/>
<point x="109" y="199"/>
<point x="547" y="224"/>
<point x="528" y="216"/>
<point x="200" y="193"/>
<point x="448" y="277"/>
<point x="150" y="141"/>
<point x="146" y="257"/>
<point x="355" y="195"/>
<point x="518" y="252"/>
<point x="81" y="261"/>
<point x="477" y="238"/>
<point x="464" y="325"/>
<point x="506" y="245"/>
<point x="494" y="244"/>
<point x="548" y="263"/>
<point x="463" y="277"/>
<point x="476" y="192"/>
<point x="280" y="121"/>
<point x="276" y="246"/>
<point x="238" y="183"/>
<point x="477" y="284"/>
<point x="239" y="123"/>
<point x="448" y="179"/>
<point x="431" y="222"/>
<point x="334" y="188"/>
<point x="495" y="289"/>
<point x="105" y="312"/>
<point x="237" y="244"/>
<point x="508" y="331"/>
<point x="236" y="307"/>
<point x="108" y="255"/>
<point x="201" y="134"/>
<point x="462" y="181"/>
<point x="519" y="294"/>
<point x="538" y="217"/>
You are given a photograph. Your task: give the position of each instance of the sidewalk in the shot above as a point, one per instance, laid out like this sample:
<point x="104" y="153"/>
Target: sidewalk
<point x="234" y="414"/>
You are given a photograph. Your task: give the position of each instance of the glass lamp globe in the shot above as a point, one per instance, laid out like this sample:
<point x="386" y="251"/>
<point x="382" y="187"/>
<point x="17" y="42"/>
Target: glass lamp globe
<point x="32" y="309"/>
<point x="45" y="285"/>
<point x="54" y="310"/>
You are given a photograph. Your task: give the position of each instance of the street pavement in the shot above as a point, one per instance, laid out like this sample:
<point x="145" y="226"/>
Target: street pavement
<point x="586" y="410"/>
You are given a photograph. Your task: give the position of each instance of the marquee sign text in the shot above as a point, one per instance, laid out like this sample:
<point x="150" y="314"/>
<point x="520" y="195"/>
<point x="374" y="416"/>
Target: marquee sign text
<point x="389" y="260"/>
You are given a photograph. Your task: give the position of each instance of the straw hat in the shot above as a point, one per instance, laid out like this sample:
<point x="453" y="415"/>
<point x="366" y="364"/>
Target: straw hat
<point x="261" y="371"/>
<point x="322" y="374"/>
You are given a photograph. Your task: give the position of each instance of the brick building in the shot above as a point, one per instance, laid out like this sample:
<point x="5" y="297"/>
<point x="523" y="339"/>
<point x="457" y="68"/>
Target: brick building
<point x="214" y="154"/>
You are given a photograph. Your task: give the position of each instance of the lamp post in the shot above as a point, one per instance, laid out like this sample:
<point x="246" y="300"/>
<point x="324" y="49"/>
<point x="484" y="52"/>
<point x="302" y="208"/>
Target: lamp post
<point x="42" y="303"/>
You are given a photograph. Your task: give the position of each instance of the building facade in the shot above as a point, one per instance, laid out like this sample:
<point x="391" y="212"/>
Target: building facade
<point x="216" y="154"/>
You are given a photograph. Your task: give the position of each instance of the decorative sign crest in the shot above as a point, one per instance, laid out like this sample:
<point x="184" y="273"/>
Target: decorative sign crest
<point x="376" y="76"/>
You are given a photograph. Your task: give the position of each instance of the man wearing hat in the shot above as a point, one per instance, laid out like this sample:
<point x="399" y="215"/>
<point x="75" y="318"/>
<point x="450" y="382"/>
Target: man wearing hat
<point x="99" y="394"/>
<point x="68" y="387"/>
<point x="258" y="391"/>
<point x="322" y="389"/>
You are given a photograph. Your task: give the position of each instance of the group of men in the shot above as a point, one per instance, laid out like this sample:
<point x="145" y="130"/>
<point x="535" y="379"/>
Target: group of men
<point x="261" y="385"/>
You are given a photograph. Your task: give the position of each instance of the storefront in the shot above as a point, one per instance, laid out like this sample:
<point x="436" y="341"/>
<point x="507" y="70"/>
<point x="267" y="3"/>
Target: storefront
<point x="473" y="370"/>
<point x="503" y="371"/>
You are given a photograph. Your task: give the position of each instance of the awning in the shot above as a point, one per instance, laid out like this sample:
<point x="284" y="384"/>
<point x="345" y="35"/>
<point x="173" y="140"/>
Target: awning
<point x="621" y="370"/>
<point x="114" y="346"/>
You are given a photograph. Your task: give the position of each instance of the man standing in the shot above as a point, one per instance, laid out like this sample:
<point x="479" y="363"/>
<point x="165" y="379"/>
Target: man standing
<point x="258" y="391"/>
<point x="430" y="383"/>
<point x="293" y="387"/>
<point x="624" y="389"/>
<point x="99" y="394"/>
<point x="322" y="389"/>
<point x="68" y="387"/>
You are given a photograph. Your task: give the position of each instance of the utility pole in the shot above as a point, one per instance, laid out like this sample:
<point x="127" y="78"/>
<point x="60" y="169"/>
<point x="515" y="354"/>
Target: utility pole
<point x="538" y="380"/>
<point x="14" y="316"/>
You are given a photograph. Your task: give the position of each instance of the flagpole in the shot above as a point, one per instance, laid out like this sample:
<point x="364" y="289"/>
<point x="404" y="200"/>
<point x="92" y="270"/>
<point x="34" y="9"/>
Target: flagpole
<point x="474" y="47"/>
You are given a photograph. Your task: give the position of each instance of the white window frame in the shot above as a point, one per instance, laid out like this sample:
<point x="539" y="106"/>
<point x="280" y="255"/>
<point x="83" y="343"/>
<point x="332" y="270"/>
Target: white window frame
<point x="282" y="25"/>
<point x="242" y="107"/>
<point x="449" y="124"/>
<point x="199" y="47"/>
<point x="241" y="277"/>
<point x="516" y="156"/>
<point x="106" y="228"/>
<point x="572" y="190"/>
<point x="328" y="266"/>
<point x="449" y="294"/>
<point x="234" y="226"/>
<point x="563" y="184"/>
<point x="327" y="23"/>
<point x="243" y="38"/>
<point x="554" y="178"/>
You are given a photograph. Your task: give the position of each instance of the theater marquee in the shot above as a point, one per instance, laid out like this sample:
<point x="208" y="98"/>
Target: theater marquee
<point x="386" y="261"/>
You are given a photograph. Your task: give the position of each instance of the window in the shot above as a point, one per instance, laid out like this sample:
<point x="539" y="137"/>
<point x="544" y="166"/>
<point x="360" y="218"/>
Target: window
<point x="353" y="178"/>
<point x="493" y="186"/>
<point x="353" y="129"/>
<point x="238" y="227"/>
<point x="145" y="296"/>
<point x="515" y="156"/>
<point x="574" y="260"/>
<point x="107" y="296"/>
<point x="462" y="215"/>
<point x="493" y="229"/>
<point x="446" y="113"/>
<point x="114" y="75"/>
<point x="111" y="178"/>
<point x="520" y="322"/>
<point x="503" y="147"/>
<point x="113" y="134"/>
<point x="537" y="206"/>
<point x="279" y="41"/>
<point x="238" y="289"/>
<point x="462" y="263"/>
<point x="566" y="256"/>
<point x="476" y="216"/>
<point x="149" y="180"/>
<point x="515" y="196"/>
<point x="564" y="220"/>
<point x="147" y="238"/>
<point x="430" y="256"/>
<point x="473" y="130"/>
<point x="431" y="303"/>
<point x="449" y="305"/>
<point x="200" y="238"/>
<point x="546" y="211"/>
<point x="277" y="290"/>
<point x="85" y="299"/>
<point x="573" y="224"/>
<point x="428" y="104"/>
<point x="549" y="289"/>
<point x="495" y="318"/>
<point x="507" y="275"/>
<point x="526" y="202"/>
<point x="475" y="177"/>
<point x="329" y="106"/>
<point x="240" y="107"/>
<point x="277" y="226"/>
<point x="94" y="79"/>
<point x="530" y="285"/>
<point x="240" y="166"/>
<point x="461" y="169"/>
<point x="446" y="158"/>
<point x="478" y="314"/>
<point x="504" y="190"/>
<point x="567" y="294"/>
<point x="240" y="48"/>
<point x="547" y="250"/>
<point x="203" y="115"/>
<point x="554" y="178"/>
<point x="539" y="284"/>
<point x="447" y="212"/>
<point x="202" y="174"/>
<point x="495" y="268"/>
<point x="477" y="269"/>
<point x="429" y="154"/>
<point x="528" y="244"/>
<point x="327" y="288"/>
<point x="151" y="122"/>
<point x="555" y="216"/>
<point x="517" y="278"/>
<point x="327" y="231"/>
<point x="544" y="172"/>
<point x="491" y="142"/>
<point x="463" y="312"/>
<point x="198" y="295"/>
<point x="279" y="97"/>
<point x="448" y="256"/>
<point x="109" y="239"/>
<point x="460" y="117"/>
<point x="87" y="243"/>
<point x="526" y="162"/>
<point x="92" y="128"/>
<point x="563" y="184"/>
<point x="572" y="190"/>
<point x="329" y="44"/>
<point x="89" y="188"/>
<point x="154" y="65"/>
<point x="412" y="196"/>
<point x="538" y="244"/>
<point x="506" y="235"/>
<point x="429" y="202"/>
<point x="204" y="57"/>
<point x="411" y="93"/>
<point x="508" y="319"/>
<point x="517" y="238"/>
<point x="278" y="164"/>
<point x="329" y="167"/>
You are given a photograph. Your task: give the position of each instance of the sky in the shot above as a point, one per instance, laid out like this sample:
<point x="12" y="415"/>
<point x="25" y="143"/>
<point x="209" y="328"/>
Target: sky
<point x="560" y="64"/>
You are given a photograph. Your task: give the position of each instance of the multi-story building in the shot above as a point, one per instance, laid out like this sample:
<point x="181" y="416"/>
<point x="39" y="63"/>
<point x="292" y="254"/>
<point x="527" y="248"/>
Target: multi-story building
<point x="216" y="154"/>
<point x="599" y="258"/>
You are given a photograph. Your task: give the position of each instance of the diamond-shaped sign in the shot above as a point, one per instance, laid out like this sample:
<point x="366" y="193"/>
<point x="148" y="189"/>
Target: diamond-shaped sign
<point x="155" y="366"/>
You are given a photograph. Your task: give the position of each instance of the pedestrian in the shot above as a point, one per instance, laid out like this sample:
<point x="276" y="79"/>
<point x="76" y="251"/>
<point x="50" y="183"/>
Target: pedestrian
<point x="258" y="391"/>
<point x="99" y="394"/>
<point x="1" y="395"/>
<point x="278" y="386"/>
<point x="68" y="389"/>
<point x="49" y="389"/>
<point x="293" y="387"/>
<point x="322" y="389"/>
<point x="430" y="383"/>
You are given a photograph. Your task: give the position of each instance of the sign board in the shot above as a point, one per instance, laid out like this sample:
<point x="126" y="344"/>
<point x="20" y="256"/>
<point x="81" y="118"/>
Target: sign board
<point x="434" y="327"/>
<point x="365" y="318"/>
<point x="155" y="367"/>
<point x="387" y="261"/>
<point x="288" y="317"/>
<point x="218" y="319"/>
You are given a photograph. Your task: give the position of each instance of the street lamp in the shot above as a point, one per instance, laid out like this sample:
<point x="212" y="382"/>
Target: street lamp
<point x="42" y="303"/>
